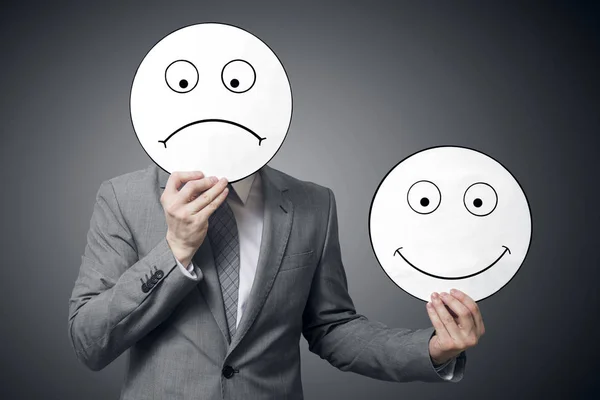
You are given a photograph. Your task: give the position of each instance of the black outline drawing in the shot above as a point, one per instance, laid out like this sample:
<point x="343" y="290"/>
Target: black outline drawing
<point x="195" y="69"/>
<point x="410" y="205"/>
<point x="482" y="183"/>
<point x="460" y="147"/>
<point x="225" y="121"/>
<point x="451" y="278"/>
<point x="253" y="72"/>
<point x="250" y="33"/>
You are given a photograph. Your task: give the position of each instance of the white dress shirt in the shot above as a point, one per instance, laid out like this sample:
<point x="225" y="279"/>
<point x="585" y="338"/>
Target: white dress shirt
<point x="248" y="209"/>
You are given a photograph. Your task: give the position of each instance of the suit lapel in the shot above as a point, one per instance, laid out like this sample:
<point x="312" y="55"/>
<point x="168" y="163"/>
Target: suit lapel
<point x="209" y="285"/>
<point x="277" y="224"/>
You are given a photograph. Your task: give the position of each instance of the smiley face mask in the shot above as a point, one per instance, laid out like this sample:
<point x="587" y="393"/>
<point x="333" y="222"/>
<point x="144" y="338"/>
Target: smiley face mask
<point x="450" y="217"/>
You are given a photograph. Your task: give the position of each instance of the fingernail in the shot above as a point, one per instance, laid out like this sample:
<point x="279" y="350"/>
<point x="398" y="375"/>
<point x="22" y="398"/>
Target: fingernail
<point x="429" y="305"/>
<point x="444" y="294"/>
<point x="214" y="179"/>
<point x="224" y="180"/>
<point x="453" y="291"/>
<point x="434" y="295"/>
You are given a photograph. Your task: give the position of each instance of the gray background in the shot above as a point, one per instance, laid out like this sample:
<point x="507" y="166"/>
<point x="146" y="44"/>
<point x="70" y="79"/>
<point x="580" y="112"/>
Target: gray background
<point x="373" y="82"/>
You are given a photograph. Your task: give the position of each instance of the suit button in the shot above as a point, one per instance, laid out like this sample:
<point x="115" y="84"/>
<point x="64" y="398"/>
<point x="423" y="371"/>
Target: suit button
<point x="145" y="288"/>
<point x="159" y="274"/>
<point x="228" y="371"/>
<point x="154" y="280"/>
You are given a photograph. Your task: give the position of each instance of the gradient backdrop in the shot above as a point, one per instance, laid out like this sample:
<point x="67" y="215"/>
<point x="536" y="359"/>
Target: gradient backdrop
<point x="373" y="82"/>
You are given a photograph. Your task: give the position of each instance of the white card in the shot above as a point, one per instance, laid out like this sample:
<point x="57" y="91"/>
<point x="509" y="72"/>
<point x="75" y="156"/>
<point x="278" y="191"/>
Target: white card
<point x="450" y="217"/>
<point x="211" y="97"/>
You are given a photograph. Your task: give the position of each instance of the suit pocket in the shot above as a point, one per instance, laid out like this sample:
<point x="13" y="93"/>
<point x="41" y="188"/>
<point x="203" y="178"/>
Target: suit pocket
<point x="298" y="260"/>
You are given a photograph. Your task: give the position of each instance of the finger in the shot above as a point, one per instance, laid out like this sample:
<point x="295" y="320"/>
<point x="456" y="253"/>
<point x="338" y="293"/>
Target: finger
<point x="207" y="196"/>
<point x="473" y="308"/>
<point x="463" y="314"/>
<point x="436" y="321"/>
<point x="451" y="312"/>
<point x="445" y="316"/>
<point x="213" y="205"/>
<point x="193" y="189"/>
<point x="178" y="178"/>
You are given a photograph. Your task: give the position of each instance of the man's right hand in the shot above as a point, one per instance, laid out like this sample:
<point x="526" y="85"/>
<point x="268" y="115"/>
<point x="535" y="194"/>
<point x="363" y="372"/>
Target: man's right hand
<point x="187" y="210"/>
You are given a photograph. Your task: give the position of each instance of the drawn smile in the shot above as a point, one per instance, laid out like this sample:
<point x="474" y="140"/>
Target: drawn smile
<point x="260" y="139"/>
<point x="506" y="249"/>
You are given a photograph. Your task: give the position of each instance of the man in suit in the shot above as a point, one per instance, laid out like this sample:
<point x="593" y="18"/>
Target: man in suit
<point x="210" y="285"/>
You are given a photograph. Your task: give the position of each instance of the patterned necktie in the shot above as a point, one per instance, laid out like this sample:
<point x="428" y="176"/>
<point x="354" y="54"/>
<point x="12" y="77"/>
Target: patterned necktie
<point x="223" y="236"/>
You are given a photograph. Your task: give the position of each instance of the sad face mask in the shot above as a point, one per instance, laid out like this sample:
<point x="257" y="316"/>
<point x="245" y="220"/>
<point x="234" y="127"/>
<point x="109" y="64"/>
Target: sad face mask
<point x="211" y="97"/>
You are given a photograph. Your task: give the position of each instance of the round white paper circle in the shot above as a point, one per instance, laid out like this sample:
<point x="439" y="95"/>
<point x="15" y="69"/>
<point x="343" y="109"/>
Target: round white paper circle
<point x="211" y="97"/>
<point x="450" y="217"/>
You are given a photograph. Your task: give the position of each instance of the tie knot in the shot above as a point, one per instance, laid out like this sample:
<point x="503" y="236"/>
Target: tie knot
<point x="222" y="213"/>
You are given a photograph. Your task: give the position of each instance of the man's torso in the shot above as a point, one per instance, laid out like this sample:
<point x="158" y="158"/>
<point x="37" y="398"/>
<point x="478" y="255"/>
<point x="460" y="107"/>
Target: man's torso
<point x="184" y="356"/>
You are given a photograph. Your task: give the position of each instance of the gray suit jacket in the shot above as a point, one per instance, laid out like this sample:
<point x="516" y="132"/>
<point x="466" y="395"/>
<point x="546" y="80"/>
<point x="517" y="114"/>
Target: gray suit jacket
<point x="130" y="295"/>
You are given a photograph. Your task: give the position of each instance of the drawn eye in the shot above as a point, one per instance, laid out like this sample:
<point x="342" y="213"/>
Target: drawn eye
<point x="480" y="199"/>
<point x="424" y="197"/>
<point x="181" y="76"/>
<point x="238" y="76"/>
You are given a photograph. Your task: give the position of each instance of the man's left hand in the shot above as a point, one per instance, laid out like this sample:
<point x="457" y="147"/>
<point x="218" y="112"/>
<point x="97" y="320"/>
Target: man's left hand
<point x="458" y="325"/>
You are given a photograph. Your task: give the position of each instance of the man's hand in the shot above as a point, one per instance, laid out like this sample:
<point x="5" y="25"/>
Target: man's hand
<point x="187" y="210"/>
<point x="458" y="325"/>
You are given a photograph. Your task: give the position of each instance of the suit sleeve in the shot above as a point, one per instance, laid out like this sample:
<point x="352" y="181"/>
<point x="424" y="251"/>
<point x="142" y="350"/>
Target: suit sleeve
<point x="351" y="342"/>
<point x="117" y="298"/>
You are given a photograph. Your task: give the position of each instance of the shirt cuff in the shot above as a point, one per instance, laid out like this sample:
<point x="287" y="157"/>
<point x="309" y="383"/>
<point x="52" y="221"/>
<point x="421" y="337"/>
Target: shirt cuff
<point x="189" y="271"/>
<point x="446" y="370"/>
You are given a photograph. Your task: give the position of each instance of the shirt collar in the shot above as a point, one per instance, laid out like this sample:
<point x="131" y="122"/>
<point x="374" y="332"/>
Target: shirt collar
<point x="243" y="186"/>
